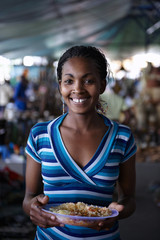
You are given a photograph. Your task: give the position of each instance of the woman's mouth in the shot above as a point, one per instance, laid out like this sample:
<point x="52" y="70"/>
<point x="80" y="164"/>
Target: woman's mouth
<point x="79" y="100"/>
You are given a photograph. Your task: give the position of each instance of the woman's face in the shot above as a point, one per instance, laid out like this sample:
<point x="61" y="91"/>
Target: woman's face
<point x="81" y="84"/>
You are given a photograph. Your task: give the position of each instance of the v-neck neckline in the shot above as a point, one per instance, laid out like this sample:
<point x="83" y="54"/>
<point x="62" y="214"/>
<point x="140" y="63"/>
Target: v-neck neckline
<point x="98" y="150"/>
<point x="66" y="161"/>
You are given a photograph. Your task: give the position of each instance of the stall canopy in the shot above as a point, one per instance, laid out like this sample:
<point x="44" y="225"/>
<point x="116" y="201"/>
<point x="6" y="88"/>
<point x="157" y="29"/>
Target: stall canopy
<point x="47" y="28"/>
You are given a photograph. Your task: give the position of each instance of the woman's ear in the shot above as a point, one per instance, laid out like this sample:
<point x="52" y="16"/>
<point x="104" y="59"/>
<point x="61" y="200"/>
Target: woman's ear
<point x="103" y="86"/>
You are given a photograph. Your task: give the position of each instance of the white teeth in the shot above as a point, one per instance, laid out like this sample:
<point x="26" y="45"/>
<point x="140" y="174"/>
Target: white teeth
<point x="79" y="100"/>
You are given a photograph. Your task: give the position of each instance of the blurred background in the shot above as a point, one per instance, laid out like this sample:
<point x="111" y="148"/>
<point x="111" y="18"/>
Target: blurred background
<point x="33" y="36"/>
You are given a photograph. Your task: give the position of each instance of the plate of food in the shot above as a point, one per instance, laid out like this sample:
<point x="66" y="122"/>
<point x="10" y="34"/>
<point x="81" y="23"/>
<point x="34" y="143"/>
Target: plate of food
<point x="80" y="214"/>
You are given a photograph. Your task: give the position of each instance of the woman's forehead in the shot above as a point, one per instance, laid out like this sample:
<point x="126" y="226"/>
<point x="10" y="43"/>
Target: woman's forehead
<point x="80" y="69"/>
<point x="79" y="63"/>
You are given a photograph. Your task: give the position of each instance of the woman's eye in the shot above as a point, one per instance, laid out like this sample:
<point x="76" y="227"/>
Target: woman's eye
<point x="68" y="81"/>
<point x="89" y="81"/>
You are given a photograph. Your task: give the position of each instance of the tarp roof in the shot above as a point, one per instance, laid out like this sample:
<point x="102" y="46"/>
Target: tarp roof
<point x="47" y="28"/>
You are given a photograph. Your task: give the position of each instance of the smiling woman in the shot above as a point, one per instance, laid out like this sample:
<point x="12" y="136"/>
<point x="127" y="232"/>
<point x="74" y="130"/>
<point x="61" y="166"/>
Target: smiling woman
<point x="80" y="84"/>
<point x="81" y="156"/>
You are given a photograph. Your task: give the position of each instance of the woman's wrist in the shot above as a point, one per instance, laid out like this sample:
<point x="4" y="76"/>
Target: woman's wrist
<point x="129" y="206"/>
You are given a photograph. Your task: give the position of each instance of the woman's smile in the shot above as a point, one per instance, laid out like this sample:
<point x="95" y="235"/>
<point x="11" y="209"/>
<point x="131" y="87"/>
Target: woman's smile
<point x="80" y="85"/>
<point x="79" y="100"/>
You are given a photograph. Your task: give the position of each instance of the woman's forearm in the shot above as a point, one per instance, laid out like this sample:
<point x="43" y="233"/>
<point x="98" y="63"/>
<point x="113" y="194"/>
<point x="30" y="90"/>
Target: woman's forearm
<point x="129" y="204"/>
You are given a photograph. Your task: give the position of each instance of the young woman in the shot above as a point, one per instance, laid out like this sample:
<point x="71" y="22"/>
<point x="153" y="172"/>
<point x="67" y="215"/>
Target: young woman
<point x="81" y="155"/>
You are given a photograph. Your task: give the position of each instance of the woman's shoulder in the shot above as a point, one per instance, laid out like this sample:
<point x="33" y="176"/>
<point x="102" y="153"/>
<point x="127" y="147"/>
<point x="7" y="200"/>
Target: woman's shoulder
<point x="122" y="128"/>
<point x="39" y="128"/>
<point x="124" y="132"/>
<point x="43" y="126"/>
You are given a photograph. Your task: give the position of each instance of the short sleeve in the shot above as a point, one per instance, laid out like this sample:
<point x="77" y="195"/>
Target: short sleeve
<point x="130" y="148"/>
<point x="31" y="148"/>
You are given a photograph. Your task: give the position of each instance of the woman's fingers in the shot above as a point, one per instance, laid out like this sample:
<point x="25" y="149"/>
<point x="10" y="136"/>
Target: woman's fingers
<point x="39" y="217"/>
<point x="44" y="219"/>
<point x="115" y="205"/>
<point x="43" y="199"/>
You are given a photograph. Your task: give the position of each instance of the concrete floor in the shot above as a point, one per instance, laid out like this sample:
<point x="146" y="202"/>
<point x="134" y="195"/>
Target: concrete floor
<point x="144" y="224"/>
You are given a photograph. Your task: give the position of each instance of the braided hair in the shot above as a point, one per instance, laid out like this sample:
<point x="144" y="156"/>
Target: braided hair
<point x="87" y="52"/>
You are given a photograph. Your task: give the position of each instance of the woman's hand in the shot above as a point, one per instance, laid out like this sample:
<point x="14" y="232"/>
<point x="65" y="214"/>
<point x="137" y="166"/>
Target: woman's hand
<point x="117" y="206"/>
<point x="40" y="217"/>
<point x="109" y="222"/>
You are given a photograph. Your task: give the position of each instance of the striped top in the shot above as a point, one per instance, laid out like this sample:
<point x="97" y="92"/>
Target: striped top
<point x="65" y="181"/>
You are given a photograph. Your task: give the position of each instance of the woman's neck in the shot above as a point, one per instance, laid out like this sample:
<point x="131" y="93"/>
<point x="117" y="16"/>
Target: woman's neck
<point x="82" y="122"/>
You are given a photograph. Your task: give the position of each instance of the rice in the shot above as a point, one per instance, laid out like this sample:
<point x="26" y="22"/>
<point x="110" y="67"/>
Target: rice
<point x="81" y="209"/>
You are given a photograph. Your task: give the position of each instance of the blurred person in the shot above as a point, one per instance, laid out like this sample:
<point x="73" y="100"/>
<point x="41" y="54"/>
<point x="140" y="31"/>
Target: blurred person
<point x="6" y="92"/>
<point x="11" y="116"/>
<point x="115" y="106"/>
<point x="10" y="112"/>
<point x="153" y="91"/>
<point x="151" y="94"/>
<point x="4" y="149"/>
<point x="20" y="96"/>
<point x="81" y="155"/>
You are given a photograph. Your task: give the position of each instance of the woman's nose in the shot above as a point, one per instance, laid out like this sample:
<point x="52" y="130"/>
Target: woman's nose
<point x="78" y="87"/>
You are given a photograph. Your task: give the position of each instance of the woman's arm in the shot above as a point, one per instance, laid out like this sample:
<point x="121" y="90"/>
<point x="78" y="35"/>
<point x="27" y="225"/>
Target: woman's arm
<point x="126" y="189"/>
<point x="33" y="183"/>
<point x="34" y="199"/>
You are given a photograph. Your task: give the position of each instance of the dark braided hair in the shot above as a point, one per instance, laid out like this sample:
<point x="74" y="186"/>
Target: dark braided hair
<point x="87" y="52"/>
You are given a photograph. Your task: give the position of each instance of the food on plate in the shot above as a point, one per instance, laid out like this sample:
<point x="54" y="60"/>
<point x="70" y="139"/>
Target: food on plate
<point x="81" y="209"/>
<point x="80" y="214"/>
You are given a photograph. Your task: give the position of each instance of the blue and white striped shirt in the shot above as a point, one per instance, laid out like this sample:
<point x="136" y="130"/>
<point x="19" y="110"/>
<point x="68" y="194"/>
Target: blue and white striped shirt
<point x="65" y="181"/>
